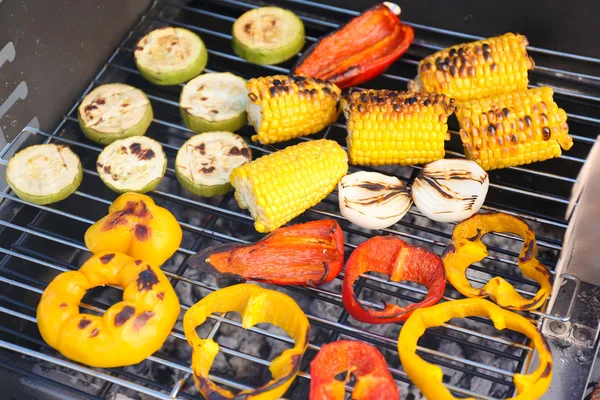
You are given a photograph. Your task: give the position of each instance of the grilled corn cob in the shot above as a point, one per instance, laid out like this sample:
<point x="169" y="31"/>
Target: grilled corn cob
<point x="478" y="69"/>
<point x="389" y="127"/>
<point x="285" y="107"/>
<point x="280" y="186"/>
<point x="513" y="128"/>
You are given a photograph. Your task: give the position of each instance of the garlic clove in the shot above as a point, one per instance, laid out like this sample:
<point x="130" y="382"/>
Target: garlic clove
<point x="450" y="190"/>
<point x="373" y="200"/>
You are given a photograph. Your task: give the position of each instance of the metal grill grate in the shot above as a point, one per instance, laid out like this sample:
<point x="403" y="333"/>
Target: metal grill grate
<point x="39" y="242"/>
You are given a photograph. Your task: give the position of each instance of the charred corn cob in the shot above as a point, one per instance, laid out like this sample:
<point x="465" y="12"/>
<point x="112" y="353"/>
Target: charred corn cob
<point x="478" y="69"/>
<point x="285" y="107"/>
<point x="389" y="127"/>
<point x="280" y="186"/>
<point x="513" y="128"/>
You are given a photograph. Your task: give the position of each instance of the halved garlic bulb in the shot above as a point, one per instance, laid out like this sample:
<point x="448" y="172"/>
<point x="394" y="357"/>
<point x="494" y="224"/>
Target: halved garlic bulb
<point x="373" y="200"/>
<point x="450" y="190"/>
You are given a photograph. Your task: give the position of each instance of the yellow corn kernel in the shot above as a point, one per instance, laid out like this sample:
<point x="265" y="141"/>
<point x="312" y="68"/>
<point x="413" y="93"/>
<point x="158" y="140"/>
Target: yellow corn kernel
<point x="511" y="129"/>
<point x="390" y="127"/>
<point x="478" y="69"/>
<point x="286" y="107"/>
<point x="278" y="187"/>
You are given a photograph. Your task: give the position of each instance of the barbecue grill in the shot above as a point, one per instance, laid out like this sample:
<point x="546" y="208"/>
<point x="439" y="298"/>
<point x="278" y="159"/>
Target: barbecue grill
<point x="38" y="242"/>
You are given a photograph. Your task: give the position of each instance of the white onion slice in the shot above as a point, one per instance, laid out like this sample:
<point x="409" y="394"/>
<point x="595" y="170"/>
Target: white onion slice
<point x="372" y="200"/>
<point x="450" y="190"/>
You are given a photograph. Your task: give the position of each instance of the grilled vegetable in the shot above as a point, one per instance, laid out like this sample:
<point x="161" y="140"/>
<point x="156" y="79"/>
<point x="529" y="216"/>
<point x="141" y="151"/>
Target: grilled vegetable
<point x="44" y="174"/>
<point x="204" y="163"/>
<point x="170" y="56"/>
<point x="373" y="378"/>
<point x="214" y="102"/>
<point x="513" y="128"/>
<point x="255" y="305"/>
<point x="389" y="127"/>
<point x="136" y="164"/>
<point x="428" y="377"/>
<point x="479" y="69"/>
<point x="467" y="248"/>
<point x="400" y="261"/>
<point x="450" y="190"/>
<point x="360" y="50"/>
<point x="309" y="254"/>
<point x="137" y="227"/>
<point x="268" y="35"/>
<point x="373" y="200"/>
<point x="278" y="187"/>
<point x="114" y="111"/>
<point x="286" y="107"/>
<point x="128" y="332"/>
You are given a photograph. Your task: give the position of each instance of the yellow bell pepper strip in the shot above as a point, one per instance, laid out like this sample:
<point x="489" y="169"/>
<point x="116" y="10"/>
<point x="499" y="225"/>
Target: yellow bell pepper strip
<point x="428" y="377"/>
<point x="137" y="227"/>
<point x="128" y="332"/>
<point x="400" y="261"/>
<point x="373" y="378"/>
<point x="467" y="248"/>
<point x="255" y="305"/>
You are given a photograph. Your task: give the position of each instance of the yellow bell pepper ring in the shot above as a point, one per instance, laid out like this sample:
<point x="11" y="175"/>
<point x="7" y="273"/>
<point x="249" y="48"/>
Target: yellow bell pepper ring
<point x="137" y="227"/>
<point x="128" y="332"/>
<point x="428" y="377"/>
<point x="467" y="248"/>
<point x="255" y="305"/>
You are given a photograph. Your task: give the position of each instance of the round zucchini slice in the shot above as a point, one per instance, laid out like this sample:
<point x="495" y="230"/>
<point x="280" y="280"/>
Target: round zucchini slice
<point x="114" y="111"/>
<point x="170" y="56"/>
<point x="135" y="164"/>
<point x="44" y="173"/>
<point x="214" y="102"/>
<point x="268" y="35"/>
<point x="204" y="163"/>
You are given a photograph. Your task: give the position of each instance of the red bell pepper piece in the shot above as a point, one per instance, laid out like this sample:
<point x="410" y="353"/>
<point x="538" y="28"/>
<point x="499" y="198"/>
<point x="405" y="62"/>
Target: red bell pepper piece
<point x="373" y="378"/>
<point x="400" y="261"/>
<point x="309" y="254"/>
<point x="358" y="51"/>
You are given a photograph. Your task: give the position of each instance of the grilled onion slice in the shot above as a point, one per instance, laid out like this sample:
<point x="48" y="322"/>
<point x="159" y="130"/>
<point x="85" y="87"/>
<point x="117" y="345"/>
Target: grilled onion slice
<point x="373" y="200"/>
<point x="450" y="190"/>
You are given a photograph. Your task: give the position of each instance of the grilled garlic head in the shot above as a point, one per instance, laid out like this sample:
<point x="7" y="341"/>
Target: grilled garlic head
<point x="450" y="190"/>
<point x="373" y="200"/>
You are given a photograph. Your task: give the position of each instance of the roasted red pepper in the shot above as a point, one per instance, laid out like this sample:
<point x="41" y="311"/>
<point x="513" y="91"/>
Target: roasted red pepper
<point x="400" y="261"/>
<point x="358" y="51"/>
<point x="373" y="378"/>
<point x="307" y="254"/>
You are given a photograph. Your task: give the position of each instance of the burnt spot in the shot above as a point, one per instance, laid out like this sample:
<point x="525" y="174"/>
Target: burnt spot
<point x="135" y="148"/>
<point x="124" y="315"/>
<point x="547" y="370"/>
<point x="505" y="112"/>
<point x="91" y="107"/>
<point x="105" y="259"/>
<point x="83" y="323"/>
<point x="514" y="138"/>
<point x="201" y="148"/>
<point x="123" y="150"/>
<point x="147" y="155"/>
<point x="94" y="333"/>
<point x="527" y="253"/>
<point x="208" y="170"/>
<point x="214" y="111"/>
<point x="107" y="169"/>
<point x="99" y="165"/>
<point x="253" y="98"/>
<point x="234" y="151"/>
<point x="248" y="28"/>
<point x="528" y="120"/>
<point x="124" y="105"/>
<point x="449" y="250"/>
<point x="63" y="305"/>
<point x="141" y="232"/>
<point x="142" y="320"/>
<point x="492" y="129"/>
<point x="101" y="100"/>
<point x="276" y="82"/>
<point x="246" y="152"/>
<point x="476" y="237"/>
<point x="546" y="133"/>
<point x="139" y="48"/>
<point x="203" y="98"/>
<point x="138" y="262"/>
<point x="146" y="279"/>
<point x="161" y="296"/>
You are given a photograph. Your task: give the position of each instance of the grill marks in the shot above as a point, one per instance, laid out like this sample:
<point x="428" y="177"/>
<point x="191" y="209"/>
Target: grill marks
<point x="124" y="315"/>
<point x="140" y="152"/>
<point x="133" y="209"/>
<point x="146" y="279"/>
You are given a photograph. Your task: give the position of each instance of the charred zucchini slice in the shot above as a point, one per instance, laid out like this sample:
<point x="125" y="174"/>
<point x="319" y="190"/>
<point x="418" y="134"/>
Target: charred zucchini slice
<point x="44" y="174"/>
<point x="204" y="163"/>
<point x="135" y="164"/>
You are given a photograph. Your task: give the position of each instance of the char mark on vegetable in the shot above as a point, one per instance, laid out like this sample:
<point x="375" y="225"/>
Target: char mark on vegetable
<point x="124" y="315"/>
<point x="105" y="259"/>
<point x="141" y="232"/>
<point x="146" y="279"/>
<point x="83" y="323"/>
<point x="141" y="320"/>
